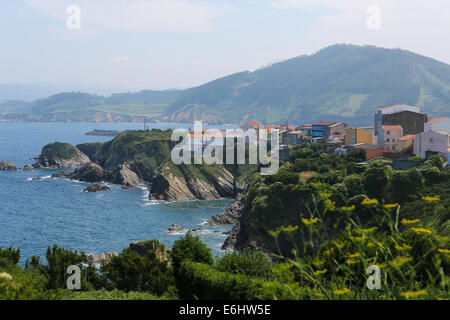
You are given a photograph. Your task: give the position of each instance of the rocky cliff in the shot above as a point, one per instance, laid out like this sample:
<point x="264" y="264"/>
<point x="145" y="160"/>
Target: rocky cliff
<point x="60" y="156"/>
<point x="136" y="158"/>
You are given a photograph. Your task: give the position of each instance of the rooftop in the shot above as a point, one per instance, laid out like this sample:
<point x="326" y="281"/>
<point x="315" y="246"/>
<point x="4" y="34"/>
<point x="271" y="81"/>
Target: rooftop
<point x="392" y="127"/>
<point x="407" y="137"/>
<point x="437" y="120"/>
<point x="254" y="123"/>
<point x="323" y="123"/>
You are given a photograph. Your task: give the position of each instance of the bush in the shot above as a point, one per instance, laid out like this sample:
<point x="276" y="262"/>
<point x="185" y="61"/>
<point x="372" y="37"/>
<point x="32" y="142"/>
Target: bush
<point x="201" y="281"/>
<point x="191" y="248"/>
<point x="131" y="272"/>
<point x="254" y="263"/>
<point x="9" y="256"/>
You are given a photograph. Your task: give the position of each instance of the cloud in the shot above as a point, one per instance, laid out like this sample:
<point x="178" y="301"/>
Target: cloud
<point x="138" y="15"/>
<point x="119" y="59"/>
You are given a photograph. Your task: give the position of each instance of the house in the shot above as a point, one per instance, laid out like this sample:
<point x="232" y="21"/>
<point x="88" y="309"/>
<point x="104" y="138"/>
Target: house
<point x="326" y="129"/>
<point x="409" y="117"/>
<point x="438" y="124"/>
<point x="294" y="137"/>
<point x="307" y="129"/>
<point x="359" y="135"/>
<point x="390" y="134"/>
<point x="405" y="142"/>
<point x="432" y="143"/>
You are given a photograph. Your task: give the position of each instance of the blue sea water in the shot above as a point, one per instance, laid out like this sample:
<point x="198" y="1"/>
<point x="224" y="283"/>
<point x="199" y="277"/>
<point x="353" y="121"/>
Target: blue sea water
<point x="38" y="214"/>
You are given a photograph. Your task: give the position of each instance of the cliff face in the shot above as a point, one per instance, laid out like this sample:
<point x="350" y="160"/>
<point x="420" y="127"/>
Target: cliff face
<point x="192" y="182"/>
<point x="60" y="156"/>
<point x="135" y="158"/>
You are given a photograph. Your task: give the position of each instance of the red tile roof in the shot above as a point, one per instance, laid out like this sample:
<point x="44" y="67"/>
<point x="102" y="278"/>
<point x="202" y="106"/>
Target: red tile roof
<point x="437" y="120"/>
<point x="407" y="137"/>
<point x="253" y="123"/>
<point x="392" y="127"/>
<point x="306" y="126"/>
<point x="324" y="123"/>
<point x="295" y="132"/>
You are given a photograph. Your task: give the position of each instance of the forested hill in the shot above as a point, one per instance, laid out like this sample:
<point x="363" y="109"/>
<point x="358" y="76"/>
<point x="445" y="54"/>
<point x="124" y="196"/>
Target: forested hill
<point x="340" y="82"/>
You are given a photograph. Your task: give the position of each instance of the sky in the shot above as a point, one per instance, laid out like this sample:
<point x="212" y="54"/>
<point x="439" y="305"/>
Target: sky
<point x="161" y="44"/>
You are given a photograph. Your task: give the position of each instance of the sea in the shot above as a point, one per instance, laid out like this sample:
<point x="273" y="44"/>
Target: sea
<point x="37" y="214"/>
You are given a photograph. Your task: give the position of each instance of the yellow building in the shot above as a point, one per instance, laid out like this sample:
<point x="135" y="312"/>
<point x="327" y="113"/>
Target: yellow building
<point x="359" y="135"/>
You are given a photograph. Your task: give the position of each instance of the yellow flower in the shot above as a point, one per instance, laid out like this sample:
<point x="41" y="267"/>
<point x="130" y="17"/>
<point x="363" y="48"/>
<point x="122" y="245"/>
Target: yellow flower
<point x="289" y="229"/>
<point x="371" y="244"/>
<point x="431" y="199"/>
<point x="310" y="221"/>
<point x="352" y="261"/>
<point x="318" y="263"/>
<point x="369" y="230"/>
<point x="399" y="261"/>
<point x="359" y="238"/>
<point x="5" y="275"/>
<point x="348" y="209"/>
<point x="444" y="250"/>
<point x="404" y="221"/>
<point x="403" y="247"/>
<point x="330" y="205"/>
<point x="354" y="255"/>
<point x="275" y="233"/>
<point x="413" y="294"/>
<point x="382" y="265"/>
<point x="369" y="202"/>
<point x="325" y="195"/>
<point x="319" y="272"/>
<point x="329" y="252"/>
<point x="341" y="291"/>
<point x="421" y="230"/>
<point x="391" y="206"/>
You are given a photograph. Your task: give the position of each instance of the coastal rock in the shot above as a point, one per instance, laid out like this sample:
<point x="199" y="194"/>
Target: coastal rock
<point x="169" y="186"/>
<point x="102" y="258"/>
<point x="61" y="175"/>
<point x="89" y="172"/>
<point x="230" y="216"/>
<point x="36" y="179"/>
<point x="124" y="176"/>
<point x="7" y="166"/>
<point x="60" y="156"/>
<point x="153" y="245"/>
<point x="175" y="228"/>
<point x="28" y="167"/>
<point x="96" y="188"/>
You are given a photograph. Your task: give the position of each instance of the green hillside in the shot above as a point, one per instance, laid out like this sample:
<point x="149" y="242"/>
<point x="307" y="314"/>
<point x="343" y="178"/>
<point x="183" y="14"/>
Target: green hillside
<point x="341" y="82"/>
<point x="84" y="107"/>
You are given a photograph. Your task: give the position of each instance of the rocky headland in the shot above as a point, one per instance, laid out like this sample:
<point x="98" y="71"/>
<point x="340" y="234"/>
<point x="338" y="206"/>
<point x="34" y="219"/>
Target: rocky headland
<point x="138" y="158"/>
<point x="7" y="166"/>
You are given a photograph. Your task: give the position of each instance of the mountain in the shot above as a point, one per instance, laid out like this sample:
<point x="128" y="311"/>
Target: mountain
<point x="85" y="107"/>
<point x="341" y="83"/>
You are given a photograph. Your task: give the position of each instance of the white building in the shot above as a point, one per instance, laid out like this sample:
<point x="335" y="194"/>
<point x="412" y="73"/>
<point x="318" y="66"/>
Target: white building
<point x="432" y="143"/>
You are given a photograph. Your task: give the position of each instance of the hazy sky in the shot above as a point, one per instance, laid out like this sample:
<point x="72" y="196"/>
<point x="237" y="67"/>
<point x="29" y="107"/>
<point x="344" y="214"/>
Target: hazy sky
<point x="157" y="44"/>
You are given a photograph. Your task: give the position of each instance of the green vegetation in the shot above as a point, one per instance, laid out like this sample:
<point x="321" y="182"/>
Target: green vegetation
<point x="83" y="107"/>
<point x="313" y="233"/>
<point x="58" y="150"/>
<point x="340" y="83"/>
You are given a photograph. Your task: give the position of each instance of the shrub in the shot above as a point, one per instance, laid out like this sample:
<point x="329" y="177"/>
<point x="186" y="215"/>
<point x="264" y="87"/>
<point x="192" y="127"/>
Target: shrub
<point x="191" y="248"/>
<point x="131" y="272"/>
<point x="250" y="262"/>
<point x="201" y="281"/>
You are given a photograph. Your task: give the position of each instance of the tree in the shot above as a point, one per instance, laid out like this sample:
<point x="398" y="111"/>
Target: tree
<point x="250" y="262"/>
<point x="376" y="181"/>
<point x="132" y="272"/>
<point x="191" y="248"/>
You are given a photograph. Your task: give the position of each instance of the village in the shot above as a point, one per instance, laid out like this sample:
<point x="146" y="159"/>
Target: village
<point x="400" y="133"/>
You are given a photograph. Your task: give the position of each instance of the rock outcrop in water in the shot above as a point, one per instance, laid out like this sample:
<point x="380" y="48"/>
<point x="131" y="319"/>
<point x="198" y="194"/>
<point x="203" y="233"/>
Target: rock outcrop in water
<point x="96" y="188"/>
<point x="230" y="216"/>
<point x="136" y="158"/>
<point x="7" y="166"/>
<point x="60" y="156"/>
